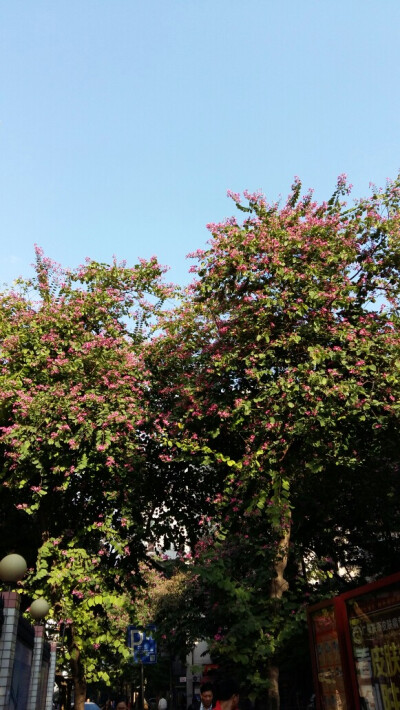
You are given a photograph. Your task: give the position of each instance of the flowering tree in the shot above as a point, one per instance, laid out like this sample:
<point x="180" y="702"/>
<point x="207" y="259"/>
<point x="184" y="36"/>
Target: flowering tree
<point x="81" y="466"/>
<point x="265" y="407"/>
<point x="283" y="366"/>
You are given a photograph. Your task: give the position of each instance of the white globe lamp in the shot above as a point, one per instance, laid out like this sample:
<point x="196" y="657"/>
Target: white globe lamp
<point x="39" y="608"/>
<point x="12" y="568"/>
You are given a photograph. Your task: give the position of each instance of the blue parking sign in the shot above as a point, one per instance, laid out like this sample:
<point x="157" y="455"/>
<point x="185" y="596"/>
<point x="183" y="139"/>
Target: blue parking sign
<point x="142" y="644"/>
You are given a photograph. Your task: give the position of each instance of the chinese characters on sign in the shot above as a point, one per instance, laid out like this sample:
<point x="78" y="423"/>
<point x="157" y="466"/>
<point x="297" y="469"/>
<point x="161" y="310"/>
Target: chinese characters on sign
<point x="375" y="635"/>
<point x="355" y="647"/>
<point x="329" y="664"/>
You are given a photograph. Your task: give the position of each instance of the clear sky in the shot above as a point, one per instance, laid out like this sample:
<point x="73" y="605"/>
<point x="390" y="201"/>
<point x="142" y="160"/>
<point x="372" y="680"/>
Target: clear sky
<point x="124" y="122"/>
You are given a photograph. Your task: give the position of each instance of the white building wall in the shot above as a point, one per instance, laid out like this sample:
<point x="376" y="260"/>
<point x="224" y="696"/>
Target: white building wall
<point x="195" y="661"/>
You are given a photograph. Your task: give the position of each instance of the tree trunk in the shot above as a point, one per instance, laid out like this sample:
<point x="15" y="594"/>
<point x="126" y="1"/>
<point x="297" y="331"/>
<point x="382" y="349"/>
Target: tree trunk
<point x="80" y="694"/>
<point x="273" y="690"/>
<point x="279" y="586"/>
<point x="78" y="678"/>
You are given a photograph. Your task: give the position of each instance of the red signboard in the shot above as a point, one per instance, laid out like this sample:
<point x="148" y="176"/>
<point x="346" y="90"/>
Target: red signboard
<point x="355" y="643"/>
<point x="327" y="658"/>
<point x="374" y="625"/>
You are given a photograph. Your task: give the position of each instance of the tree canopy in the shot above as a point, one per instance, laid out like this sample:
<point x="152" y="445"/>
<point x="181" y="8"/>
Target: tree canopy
<point x="256" y="422"/>
<point x="84" y="488"/>
<point x="283" y="366"/>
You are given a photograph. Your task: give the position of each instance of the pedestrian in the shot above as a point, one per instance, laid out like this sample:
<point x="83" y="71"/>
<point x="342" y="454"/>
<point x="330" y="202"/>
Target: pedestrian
<point x="227" y="695"/>
<point x="206" y="698"/>
<point x="121" y="704"/>
<point x="162" y="703"/>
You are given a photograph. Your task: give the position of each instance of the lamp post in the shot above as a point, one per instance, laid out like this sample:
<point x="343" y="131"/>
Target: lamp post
<point x="39" y="694"/>
<point x="12" y="570"/>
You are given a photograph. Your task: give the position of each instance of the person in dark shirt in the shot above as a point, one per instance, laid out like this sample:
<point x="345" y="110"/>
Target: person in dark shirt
<point x="206" y="698"/>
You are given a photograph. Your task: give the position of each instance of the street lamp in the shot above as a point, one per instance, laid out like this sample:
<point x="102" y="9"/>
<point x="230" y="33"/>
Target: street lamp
<point x="12" y="568"/>
<point x="39" y="608"/>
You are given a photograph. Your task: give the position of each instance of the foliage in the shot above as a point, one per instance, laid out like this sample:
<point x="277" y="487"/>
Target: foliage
<point x="92" y="608"/>
<point x="262" y="415"/>
<point x="81" y="463"/>
<point x="283" y="367"/>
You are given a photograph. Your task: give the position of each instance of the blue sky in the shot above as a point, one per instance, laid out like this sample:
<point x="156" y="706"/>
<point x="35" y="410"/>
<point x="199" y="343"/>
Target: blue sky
<point x="124" y="122"/>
